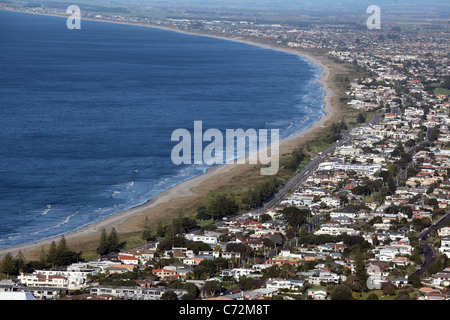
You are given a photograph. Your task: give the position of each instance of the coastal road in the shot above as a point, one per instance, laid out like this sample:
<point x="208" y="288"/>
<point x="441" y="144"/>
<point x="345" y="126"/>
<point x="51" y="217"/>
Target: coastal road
<point x="303" y="174"/>
<point x="428" y="251"/>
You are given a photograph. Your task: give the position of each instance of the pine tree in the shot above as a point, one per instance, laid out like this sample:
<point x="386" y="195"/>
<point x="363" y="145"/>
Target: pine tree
<point x="65" y="256"/>
<point x="52" y="256"/>
<point x="113" y="241"/>
<point x="20" y="262"/>
<point x="8" y="265"/>
<point x="102" y="249"/>
<point x="160" y="232"/>
<point x="42" y="259"/>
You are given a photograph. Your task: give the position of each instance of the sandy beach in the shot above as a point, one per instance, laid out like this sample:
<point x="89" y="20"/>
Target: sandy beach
<point x="192" y="191"/>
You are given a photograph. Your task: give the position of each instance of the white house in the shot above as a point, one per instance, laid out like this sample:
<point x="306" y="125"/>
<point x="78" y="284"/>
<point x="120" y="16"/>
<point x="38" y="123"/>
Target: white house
<point x="208" y="239"/>
<point x="237" y="273"/>
<point x="441" y="279"/>
<point x="443" y="232"/>
<point x="445" y="246"/>
<point x="284" y="284"/>
<point x="322" y="276"/>
<point x="335" y="231"/>
<point x="69" y="279"/>
<point x="129" y="259"/>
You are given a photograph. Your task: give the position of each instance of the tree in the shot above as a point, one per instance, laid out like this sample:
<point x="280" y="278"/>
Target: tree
<point x="42" y="259"/>
<point x="52" y="255"/>
<point x="245" y="283"/>
<point x="62" y="252"/>
<point x="20" y="261"/>
<point x="295" y="159"/>
<point x="102" y="249"/>
<point x="147" y="234"/>
<point x="446" y="83"/>
<point x="360" y="269"/>
<point x="202" y="213"/>
<point x="372" y="296"/>
<point x="294" y="216"/>
<point x="415" y="281"/>
<point x="244" y="249"/>
<point x="221" y="206"/>
<point x="60" y="255"/>
<point x="109" y="243"/>
<point x="8" y="265"/>
<point x="388" y="289"/>
<point x="342" y="292"/>
<point x="265" y="217"/>
<point x="160" y="232"/>
<point x="433" y="268"/>
<point x="113" y="241"/>
<point x="169" y="295"/>
<point x="172" y="238"/>
<point x="211" y="287"/>
<point x="361" y="118"/>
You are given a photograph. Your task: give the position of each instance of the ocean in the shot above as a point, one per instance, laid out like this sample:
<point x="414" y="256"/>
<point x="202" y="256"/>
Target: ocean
<point x="87" y="115"/>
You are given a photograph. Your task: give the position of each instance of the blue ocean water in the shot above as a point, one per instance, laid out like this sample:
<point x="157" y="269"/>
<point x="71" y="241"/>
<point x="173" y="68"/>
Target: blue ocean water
<point x="87" y="115"/>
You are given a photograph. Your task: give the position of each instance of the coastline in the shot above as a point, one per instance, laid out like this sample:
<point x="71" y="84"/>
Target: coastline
<point x="131" y="220"/>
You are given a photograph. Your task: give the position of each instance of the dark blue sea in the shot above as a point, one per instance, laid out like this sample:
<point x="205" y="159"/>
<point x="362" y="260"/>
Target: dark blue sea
<point x="87" y="115"/>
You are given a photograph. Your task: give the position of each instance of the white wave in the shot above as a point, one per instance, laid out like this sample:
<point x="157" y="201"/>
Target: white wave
<point x="66" y="220"/>
<point x="130" y="184"/>
<point x="49" y="207"/>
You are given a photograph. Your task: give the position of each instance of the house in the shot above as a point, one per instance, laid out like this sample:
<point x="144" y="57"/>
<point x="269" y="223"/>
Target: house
<point x="445" y="246"/>
<point x="208" y="239"/>
<point x="70" y="278"/>
<point x="322" y="276"/>
<point x="193" y="261"/>
<point x="400" y="261"/>
<point x="236" y="273"/>
<point x="441" y="279"/>
<point x="135" y="293"/>
<point x="335" y="231"/>
<point x="166" y="274"/>
<point x="399" y="282"/>
<point x="129" y="259"/>
<point x="120" y="268"/>
<point x="345" y="212"/>
<point x="43" y="280"/>
<point x="261" y="293"/>
<point x="378" y="268"/>
<point x="284" y="284"/>
<point x="143" y="255"/>
<point x="317" y="294"/>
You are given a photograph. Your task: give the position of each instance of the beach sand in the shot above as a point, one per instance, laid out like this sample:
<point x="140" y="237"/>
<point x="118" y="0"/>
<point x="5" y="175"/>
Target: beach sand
<point x="185" y="194"/>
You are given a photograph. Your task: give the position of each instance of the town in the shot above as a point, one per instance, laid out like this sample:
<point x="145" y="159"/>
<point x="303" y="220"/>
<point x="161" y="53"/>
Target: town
<point x="369" y="221"/>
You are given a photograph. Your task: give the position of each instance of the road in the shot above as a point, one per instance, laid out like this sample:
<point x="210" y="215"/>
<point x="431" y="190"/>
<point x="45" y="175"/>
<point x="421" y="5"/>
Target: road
<point x="428" y="251"/>
<point x="309" y="168"/>
<point x="304" y="173"/>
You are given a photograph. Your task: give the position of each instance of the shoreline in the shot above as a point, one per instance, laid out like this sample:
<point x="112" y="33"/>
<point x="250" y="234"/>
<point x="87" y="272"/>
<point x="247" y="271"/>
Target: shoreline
<point x="123" y="221"/>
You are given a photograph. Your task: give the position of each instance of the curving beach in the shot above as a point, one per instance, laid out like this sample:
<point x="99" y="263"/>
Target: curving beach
<point x="188" y="192"/>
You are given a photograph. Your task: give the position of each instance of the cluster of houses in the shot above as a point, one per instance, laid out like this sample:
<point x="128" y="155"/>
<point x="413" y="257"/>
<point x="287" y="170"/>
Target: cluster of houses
<point x="328" y="193"/>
